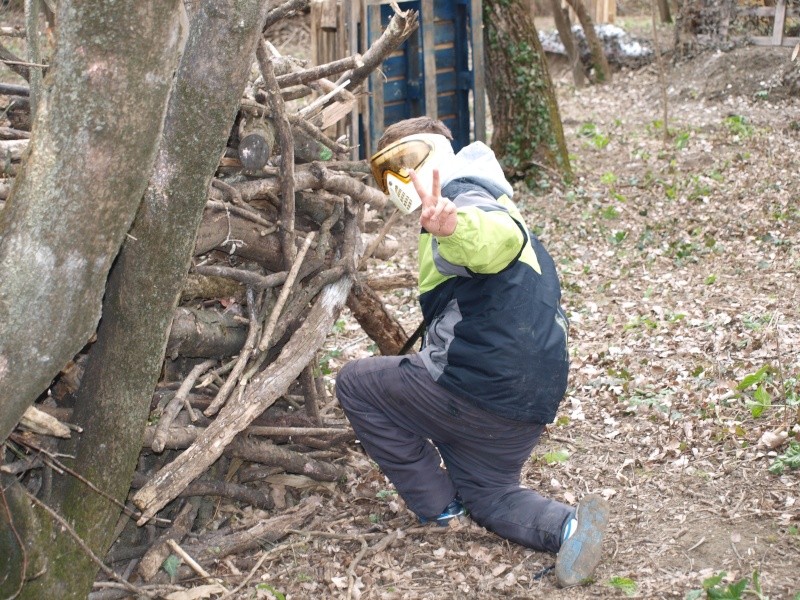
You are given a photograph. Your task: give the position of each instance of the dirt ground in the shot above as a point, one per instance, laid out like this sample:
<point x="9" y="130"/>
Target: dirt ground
<point x="679" y="258"/>
<point x="679" y="262"/>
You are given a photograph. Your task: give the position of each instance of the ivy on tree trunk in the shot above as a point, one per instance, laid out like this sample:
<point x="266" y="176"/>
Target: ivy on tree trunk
<point x="527" y="132"/>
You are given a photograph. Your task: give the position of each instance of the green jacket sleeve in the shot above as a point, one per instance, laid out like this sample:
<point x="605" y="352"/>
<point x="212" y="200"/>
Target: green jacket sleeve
<point x="484" y="241"/>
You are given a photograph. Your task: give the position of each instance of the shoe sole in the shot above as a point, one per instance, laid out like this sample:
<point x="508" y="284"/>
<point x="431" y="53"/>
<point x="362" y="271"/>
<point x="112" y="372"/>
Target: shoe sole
<point x="580" y="554"/>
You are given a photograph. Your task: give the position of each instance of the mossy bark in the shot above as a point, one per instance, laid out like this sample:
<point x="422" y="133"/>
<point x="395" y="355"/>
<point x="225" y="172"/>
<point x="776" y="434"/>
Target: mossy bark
<point x="21" y="532"/>
<point x="90" y="155"/>
<point x="527" y="132"/>
<point x="124" y="364"/>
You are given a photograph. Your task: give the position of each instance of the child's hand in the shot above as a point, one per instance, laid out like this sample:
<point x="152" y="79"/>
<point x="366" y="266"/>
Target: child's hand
<point x="438" y="214"/>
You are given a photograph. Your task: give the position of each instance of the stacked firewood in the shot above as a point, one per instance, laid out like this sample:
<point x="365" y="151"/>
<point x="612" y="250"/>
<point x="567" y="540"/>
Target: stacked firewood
<point x="250" y="309"/>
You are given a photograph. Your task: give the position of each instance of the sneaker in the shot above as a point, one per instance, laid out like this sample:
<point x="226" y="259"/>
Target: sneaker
<point x="454" y="510"/>
<point x="580" y="553"/>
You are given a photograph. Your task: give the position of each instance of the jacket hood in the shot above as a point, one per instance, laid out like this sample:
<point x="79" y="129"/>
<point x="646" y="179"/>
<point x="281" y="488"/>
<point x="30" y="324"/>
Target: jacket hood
<point x="477" y="163"/>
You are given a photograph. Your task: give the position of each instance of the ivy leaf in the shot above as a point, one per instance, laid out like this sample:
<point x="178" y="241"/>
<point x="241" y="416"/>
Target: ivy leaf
<point x="170" y="565"/>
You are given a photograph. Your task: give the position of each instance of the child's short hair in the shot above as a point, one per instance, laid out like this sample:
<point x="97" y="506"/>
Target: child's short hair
<point x="412" y="126"/>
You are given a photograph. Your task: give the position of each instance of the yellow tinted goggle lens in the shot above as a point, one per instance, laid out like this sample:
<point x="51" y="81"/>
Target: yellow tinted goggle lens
<point x="398" y="159"/>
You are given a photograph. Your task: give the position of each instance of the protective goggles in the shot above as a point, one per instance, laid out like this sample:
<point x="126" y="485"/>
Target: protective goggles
<point x="392" y="166"/>
<point x="399" y="158"/>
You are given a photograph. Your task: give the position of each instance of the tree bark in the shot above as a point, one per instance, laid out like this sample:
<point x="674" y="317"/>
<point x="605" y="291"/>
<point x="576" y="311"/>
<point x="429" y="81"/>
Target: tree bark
<point x="376" y="321"/>
<point x="89" y="159"/>
<point x="664" y="11"/>
<point x="561" y="18"/>
<point x="205" y="334"/>
<point x="114" y="399"/>
<point x="527" y="126"/>
<point x="599" y="61"/>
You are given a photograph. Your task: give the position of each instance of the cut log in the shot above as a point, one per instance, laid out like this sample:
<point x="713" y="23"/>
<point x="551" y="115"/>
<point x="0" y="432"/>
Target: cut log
<point x="205" y="334"/>
<point x="13" y="149"/>
<point x="377" y="322"/>
<point x="42" y="423"/>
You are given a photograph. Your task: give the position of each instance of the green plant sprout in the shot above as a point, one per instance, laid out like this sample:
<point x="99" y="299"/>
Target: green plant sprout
<point x="590" y="130"/>
<point x="624" y="584"/>
<point x="738" y="126"/>
<point x="715" y="589"/>
<point x="788" y="460"/>
<point x="273" y="593"/>
<point x="758" y="400"/>
<point x="555" y="456"/>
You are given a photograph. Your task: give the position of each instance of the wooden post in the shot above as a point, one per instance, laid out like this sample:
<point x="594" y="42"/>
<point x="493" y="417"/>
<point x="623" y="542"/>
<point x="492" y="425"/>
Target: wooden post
<point x="478" y="74"/>
<point x="376" y="82"/>
<point x="429" y="61"/>
<point x="780" y="19"/>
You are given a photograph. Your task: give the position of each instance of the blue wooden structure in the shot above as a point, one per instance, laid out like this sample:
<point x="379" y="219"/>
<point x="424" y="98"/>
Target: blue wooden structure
<point x="437" y="72"/>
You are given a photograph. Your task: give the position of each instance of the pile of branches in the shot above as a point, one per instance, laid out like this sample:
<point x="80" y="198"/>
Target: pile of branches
<point x="287" y="227"/>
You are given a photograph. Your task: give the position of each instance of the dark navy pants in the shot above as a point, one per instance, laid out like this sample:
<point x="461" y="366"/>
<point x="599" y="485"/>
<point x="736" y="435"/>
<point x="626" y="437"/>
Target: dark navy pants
<point x="402" y="417"/>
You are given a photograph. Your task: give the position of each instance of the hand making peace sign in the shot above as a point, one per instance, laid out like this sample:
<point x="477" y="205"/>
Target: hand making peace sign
<point x="438" y="215"/>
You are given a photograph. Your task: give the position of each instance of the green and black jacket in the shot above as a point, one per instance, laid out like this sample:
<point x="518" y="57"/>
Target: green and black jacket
<point x="496" y="332"/>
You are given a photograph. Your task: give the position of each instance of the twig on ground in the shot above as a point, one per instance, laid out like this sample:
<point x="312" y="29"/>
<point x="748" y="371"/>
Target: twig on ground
<point x="351" y="570"/>
<point x="193" y="564"/>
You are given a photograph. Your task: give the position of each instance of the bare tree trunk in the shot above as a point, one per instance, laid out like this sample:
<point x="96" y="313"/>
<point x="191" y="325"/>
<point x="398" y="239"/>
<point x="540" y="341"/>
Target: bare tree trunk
<point x="664" y="11"/>
<point x="89" y="159"/>
<point x="91" y="153"/>
<point x="599" y="61"/>
<point x="528" y="135"/>
<point x="561" y="17"/>
<point x="124" y="365"/>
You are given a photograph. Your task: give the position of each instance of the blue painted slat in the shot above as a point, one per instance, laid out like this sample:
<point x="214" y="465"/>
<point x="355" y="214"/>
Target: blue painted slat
<point x="403" y="87"/>
<point x="444" y="32"/>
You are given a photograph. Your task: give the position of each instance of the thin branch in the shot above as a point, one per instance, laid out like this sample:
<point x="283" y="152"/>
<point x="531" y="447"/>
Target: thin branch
<point x="266" y="555"/>
<point x="399" y="29"/>
<point x="314" y="131"/>
<point x="378" y="239"/>
<point x="50" y="459"/>
<point x="284" y="10"/>
<point x="263" y="345"/>
<point x="244" y="356"/>
<point x="319" y="71"/>
<point x="250" y="278"/>
<point x="194" y="564"/>
<point x="174" y="406"/>
<point x="351" y="570"/>
<point x="284" y="132"/>
<point x="242" y="212"/>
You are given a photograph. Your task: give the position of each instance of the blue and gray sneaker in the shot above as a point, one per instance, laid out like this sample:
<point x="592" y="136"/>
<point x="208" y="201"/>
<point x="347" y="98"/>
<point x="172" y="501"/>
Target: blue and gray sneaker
<point x="453" y="510"/>
<point x="580" y="551"/>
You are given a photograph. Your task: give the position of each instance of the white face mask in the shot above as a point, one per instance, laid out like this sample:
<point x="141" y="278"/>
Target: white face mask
<point x="423" y="153"/>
